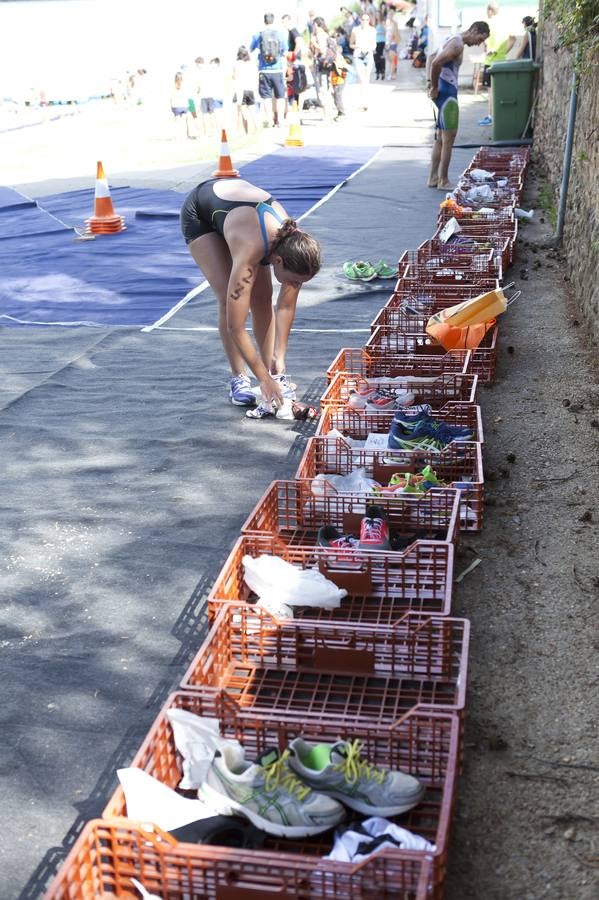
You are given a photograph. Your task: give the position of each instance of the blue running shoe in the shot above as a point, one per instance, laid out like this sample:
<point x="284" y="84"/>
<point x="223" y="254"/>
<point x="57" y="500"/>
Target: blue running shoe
<point x="410" y="415"/>
<point x="240" y="391"/>
<point x="439" y="431"/>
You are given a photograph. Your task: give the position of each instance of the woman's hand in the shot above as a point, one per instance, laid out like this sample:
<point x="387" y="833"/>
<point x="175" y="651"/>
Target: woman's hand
<point x="433" y="91"/>
<point x="271" y="392"/>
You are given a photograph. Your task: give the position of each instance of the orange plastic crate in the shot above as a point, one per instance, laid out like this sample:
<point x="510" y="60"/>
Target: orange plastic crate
<point x="333" y="671"/>
<point x="358" y="425"/>
<point x="289" y="511"/>
<point x="424" y="744"/>
<point x="108" y="853"/>
<point x="501" y="219"/>
<point x="514" y="159"/>
<point x="484" y="234"/>
<point x="508" y="195"/>
<point x="428" y="266"/>
<point x="437" y="391"/>
<point x="459" y="465"/>
<point x="387" y="340"/>
<point x="381" y="586"/>
<point x="356" y="361"/>
<point x="496" y="243"/>
<point x="424" y="301"/>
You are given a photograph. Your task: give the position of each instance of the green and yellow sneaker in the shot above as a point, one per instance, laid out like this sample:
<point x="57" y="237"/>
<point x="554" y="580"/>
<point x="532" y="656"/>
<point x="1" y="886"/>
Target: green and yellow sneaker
<point x="340" y="771"/>
<point x="269" y="794"/>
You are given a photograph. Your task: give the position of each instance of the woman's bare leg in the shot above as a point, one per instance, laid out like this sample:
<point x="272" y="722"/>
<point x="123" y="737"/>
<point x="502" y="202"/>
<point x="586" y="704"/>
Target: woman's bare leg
<point x="212" y="255"/>
<point x="263" y="319"/>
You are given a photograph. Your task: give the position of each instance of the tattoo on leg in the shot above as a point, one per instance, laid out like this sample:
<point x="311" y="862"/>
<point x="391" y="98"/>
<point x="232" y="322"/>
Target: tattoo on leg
<point x="245" y="279"/>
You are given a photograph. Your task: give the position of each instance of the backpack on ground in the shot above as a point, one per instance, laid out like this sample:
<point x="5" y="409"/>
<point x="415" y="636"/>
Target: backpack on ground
<point x="270" y="45"/>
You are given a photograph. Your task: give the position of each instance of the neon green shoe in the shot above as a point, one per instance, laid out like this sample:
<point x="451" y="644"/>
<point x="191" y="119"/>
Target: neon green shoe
<point x="384" y="271"/>
<point x="359" y="271"/>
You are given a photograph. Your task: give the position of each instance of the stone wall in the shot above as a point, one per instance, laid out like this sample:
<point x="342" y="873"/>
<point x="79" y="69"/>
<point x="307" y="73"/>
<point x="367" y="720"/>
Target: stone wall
<point x="581" y="234"/>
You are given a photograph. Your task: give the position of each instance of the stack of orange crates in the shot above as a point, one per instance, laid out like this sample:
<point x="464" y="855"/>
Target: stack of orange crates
<point x="389" y="665"/>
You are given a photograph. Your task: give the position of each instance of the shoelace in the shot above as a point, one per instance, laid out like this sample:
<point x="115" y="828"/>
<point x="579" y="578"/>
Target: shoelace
<point x="373" y="529"/>
<point x="354" y="767"/>
<point x="278" y="774"/>
<point x="344" y="541"/>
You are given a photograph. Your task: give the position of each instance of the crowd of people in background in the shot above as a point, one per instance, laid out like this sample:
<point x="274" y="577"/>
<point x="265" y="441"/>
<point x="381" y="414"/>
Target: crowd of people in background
<point x="305" y="63"/>
<point x="309" y="63"/>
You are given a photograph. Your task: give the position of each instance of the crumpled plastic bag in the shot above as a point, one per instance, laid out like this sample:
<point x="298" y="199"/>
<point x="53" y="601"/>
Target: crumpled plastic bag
<point x="481" y="193"/>
<point x="356" y="482"/>
<point x="197" y="738"/>
<point x="148" y="800"/>
<point x="271" y="577"/>
<point x="480" y="175"/>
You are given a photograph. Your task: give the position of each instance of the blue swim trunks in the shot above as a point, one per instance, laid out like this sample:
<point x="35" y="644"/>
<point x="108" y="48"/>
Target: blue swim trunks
<point x="446" y="102"/>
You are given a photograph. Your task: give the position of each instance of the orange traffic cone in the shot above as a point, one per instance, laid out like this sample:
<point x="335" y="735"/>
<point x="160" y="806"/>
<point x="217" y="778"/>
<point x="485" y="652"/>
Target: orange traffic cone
<point x="294" y="138"/>
<point x="104" y="219"/>
<point x="225" y="166"/>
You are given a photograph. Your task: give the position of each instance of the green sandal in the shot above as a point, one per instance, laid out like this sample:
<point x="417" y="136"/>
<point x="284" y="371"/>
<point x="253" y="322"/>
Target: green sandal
<point x="359" y="271"/>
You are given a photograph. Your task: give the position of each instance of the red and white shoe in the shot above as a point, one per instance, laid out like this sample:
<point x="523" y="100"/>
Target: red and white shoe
<point x="374" y="531"/>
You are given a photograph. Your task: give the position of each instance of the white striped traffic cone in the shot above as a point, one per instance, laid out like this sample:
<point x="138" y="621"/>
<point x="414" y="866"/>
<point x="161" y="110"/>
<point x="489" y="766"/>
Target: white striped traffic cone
<point x="104" y="220"/>
<point x="225" y="166"/>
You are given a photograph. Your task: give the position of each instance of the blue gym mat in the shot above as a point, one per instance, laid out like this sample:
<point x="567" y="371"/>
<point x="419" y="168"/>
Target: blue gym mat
<point x="135" y="277"/>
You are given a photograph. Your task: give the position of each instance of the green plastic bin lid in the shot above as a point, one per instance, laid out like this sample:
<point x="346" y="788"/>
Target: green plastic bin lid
<point x="514" y="65"/>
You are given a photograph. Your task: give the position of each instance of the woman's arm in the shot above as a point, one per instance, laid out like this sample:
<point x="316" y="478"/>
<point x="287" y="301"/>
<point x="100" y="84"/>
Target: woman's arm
<point x="284" y="316"/>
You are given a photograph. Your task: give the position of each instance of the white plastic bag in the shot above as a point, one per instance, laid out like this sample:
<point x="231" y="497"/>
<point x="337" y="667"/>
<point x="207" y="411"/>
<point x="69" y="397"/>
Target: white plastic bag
<point x="449" y="229"/>
<point x="197" y="738"/>
<point x="480" y="175"/>
<point x="148" y="800"/>
<point x="356" y="482"/>
<point x="273" y="578"/>
<point x="481" y="193"/>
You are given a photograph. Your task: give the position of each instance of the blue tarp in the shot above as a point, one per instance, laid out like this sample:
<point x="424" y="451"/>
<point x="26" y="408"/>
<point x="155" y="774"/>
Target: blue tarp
<point x="135" y="277"/>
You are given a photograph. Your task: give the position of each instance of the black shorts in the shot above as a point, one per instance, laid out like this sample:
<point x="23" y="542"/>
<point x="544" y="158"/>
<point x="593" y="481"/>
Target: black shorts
<point x="270" y="83"/>
<point x="203" y="212"/>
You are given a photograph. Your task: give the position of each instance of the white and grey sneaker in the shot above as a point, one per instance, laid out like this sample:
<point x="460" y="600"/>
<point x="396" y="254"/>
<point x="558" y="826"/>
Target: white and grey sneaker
<point x="339" y="771"/>
<point x="269" y="794"/>
<point x="288" y="387"/>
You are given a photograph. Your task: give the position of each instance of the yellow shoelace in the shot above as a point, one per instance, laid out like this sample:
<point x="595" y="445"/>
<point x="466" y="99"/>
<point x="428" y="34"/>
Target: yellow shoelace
<point x="278" y="774"/>
<point x="353" y="767"/>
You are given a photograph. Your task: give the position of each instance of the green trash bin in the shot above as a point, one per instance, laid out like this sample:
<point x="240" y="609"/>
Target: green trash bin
<point x="511" y="84"/>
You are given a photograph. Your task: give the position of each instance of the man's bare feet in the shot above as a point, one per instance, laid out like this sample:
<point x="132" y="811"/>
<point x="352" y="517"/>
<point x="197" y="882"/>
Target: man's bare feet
<point x="443" y="186"/>
<point x="432" y="182"/>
